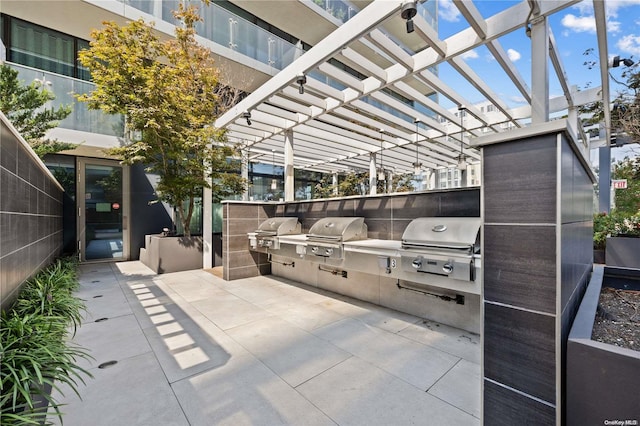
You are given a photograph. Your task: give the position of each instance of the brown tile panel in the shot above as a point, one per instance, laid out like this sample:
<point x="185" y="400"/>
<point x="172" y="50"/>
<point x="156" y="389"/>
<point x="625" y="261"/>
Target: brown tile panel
<point x="8" y="150"/>
<point x="519" y="350"/>
<point x="378" y="208"/>
<point x="341" y="208"/>
<point x="398" y="226"/>
<point x="464" y="203"/>
<point x="246" y="258"/>
<point x="416" y="205"/>
<point x="265" y="211"/>
<point x="243" y="211"/>
<point x="504" y="407"/>
<point x="378" y="228"/>
<point x="577" y="256"/>
<point x="236" y="242"/>
<point x="241" y="226"/>
<point x="519" y="264"/>
<point x="231" y="274"/>
<point x="520" y="181"/>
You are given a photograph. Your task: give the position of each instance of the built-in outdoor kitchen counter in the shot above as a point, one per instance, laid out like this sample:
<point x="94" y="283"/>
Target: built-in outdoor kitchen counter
<point x="364" y="259"/>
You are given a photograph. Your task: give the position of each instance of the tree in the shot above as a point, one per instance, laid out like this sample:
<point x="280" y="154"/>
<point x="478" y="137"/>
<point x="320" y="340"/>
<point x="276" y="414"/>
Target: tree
<point x="24" y="106"/>
<point x="625" y="110"/>
<point x="170" y="93"/>
<point x="403" y="183"/>
<point x="353" y="184"/>
<point x="628" y="200"/>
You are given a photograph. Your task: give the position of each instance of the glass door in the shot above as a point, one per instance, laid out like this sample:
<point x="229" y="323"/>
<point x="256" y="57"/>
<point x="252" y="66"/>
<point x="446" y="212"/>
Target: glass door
<point x="103" y="210"/>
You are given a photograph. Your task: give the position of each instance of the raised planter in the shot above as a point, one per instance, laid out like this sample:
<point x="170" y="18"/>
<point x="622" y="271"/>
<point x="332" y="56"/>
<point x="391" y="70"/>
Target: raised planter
<point x="623" y="252"/>
<point x="172" y="254"/>
<point x="602" y="379"/>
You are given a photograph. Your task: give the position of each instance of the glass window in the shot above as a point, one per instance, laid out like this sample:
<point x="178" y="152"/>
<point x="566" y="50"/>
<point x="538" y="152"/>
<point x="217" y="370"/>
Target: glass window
<point x="41" y="48"/>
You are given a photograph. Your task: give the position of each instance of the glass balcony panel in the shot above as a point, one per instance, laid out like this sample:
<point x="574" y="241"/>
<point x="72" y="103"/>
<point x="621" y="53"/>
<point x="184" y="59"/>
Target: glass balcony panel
<point x="81" y="118"/>
<point x="144" y="5"/>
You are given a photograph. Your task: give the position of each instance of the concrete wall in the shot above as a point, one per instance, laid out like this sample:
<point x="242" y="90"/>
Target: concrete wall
<point x="146" y="219"/>
<point x="537" y="258"/>
<point x="386" y="216"/>
<point x="601" y="378"/>
<point x="30" y="214"/>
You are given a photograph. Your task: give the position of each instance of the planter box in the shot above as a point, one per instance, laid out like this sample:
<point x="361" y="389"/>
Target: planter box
<point x="602" y="379"/>
<point x="172" y="254"/>
<point x="599" y="256"/>
<point x="623" y="252"/>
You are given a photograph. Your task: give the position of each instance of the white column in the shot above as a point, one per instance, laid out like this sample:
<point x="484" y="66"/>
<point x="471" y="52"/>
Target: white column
<point x="334" y="183"/>
<point x="539" y="70"/>
<point x="244" y="173"/>
<point x="207" y="228"/>
<point x="373" y="178"/>
<point x="288" y="166"/>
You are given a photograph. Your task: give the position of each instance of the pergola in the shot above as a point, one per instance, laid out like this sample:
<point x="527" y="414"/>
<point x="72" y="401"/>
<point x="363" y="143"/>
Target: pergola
<point x="313" y="115"/>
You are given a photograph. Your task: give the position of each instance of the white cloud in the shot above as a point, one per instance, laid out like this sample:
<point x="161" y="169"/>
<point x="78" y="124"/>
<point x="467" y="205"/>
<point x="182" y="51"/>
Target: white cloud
<point x="514" y="55"/>
<point x="579" y="24"/>
<point x="448" y="11"/>
<point x="612" y="6"/>
<point x="517" y="100"/>
<point x="470" y="54"/>
<point x="629" y="44"/>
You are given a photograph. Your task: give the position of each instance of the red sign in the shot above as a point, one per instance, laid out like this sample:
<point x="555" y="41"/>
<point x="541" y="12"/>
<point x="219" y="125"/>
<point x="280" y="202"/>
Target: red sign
<point x="115" y="206"/>
<point x="619" y="183"/>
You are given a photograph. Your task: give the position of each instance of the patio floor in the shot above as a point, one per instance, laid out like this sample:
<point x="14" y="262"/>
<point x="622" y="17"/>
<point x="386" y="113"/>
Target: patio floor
<point x="193" y="349"/>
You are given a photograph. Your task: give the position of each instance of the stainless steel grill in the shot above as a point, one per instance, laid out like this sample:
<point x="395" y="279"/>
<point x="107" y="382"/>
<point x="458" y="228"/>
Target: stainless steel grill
<point x="266" y="236"/>
<point x="443" y="246"/>
<point x="326" y="236"/>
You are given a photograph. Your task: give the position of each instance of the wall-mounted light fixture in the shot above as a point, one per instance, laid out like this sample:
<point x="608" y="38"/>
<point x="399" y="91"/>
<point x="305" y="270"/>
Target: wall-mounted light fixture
<point x="247" y="116"/>
<point x="301" y="79"/>
<point x="417" y="165"/>
<point x="274" y="181"/>
<point x="617" y="60"/>
<point x="462" y="163"/>
<point x="409" y="10"/>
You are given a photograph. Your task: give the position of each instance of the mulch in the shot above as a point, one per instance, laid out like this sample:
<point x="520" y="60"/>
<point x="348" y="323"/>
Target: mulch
<point x="617" y="320"/>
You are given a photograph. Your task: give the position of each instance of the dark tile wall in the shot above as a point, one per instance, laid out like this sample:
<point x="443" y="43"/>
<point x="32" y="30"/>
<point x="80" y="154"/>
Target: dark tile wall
<point x="239" y="219"/>
<point x="537" y="256"/>
<point x="386" y="217"/>
<point x="30" y="216"/>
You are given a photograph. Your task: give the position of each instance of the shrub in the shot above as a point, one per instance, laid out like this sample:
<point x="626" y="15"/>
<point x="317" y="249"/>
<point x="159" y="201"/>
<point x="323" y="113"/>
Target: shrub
<point x="35" y="353"/>
<point x="615" y="224"/>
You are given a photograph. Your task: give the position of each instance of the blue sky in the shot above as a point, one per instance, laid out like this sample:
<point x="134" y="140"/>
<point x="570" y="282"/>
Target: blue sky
<point x="574" y="31"/>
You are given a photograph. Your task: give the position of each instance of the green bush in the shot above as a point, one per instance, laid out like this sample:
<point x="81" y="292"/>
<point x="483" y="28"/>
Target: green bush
<point x="36" y="355"/>
<point x="615" y="224"/>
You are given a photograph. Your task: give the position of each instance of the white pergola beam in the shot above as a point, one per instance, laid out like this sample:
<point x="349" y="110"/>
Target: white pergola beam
<point x="364" y="22"/>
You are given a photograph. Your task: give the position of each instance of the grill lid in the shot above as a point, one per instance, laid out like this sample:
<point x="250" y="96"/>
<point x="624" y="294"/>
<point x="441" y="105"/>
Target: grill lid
<point x="442" y="232"/>
<point x="279" y="226"/>
<point x="338" y="229"/>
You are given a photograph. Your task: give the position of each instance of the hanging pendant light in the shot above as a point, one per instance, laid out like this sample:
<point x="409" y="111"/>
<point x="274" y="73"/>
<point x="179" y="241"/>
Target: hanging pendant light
<point x="417" y="165"/>
<point x="274" y="181"/>
<point x="462" y="163"/>
<point x="381" y="174"/>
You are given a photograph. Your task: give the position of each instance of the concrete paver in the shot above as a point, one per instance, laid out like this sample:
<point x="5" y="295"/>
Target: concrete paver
<point x="193" y="349"/>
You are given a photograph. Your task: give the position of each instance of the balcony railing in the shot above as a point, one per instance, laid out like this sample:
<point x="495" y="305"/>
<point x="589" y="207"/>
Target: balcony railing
<point x="64" y="88"/>
<point x="230" y="30"/>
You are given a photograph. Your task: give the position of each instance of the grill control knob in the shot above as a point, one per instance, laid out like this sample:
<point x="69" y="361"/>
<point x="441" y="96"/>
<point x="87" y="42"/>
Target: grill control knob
<point x="314" y="250"/>
<point x="328" y="251"/>
<point x="447" y="268"/>
<point x="417" y="263"/>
